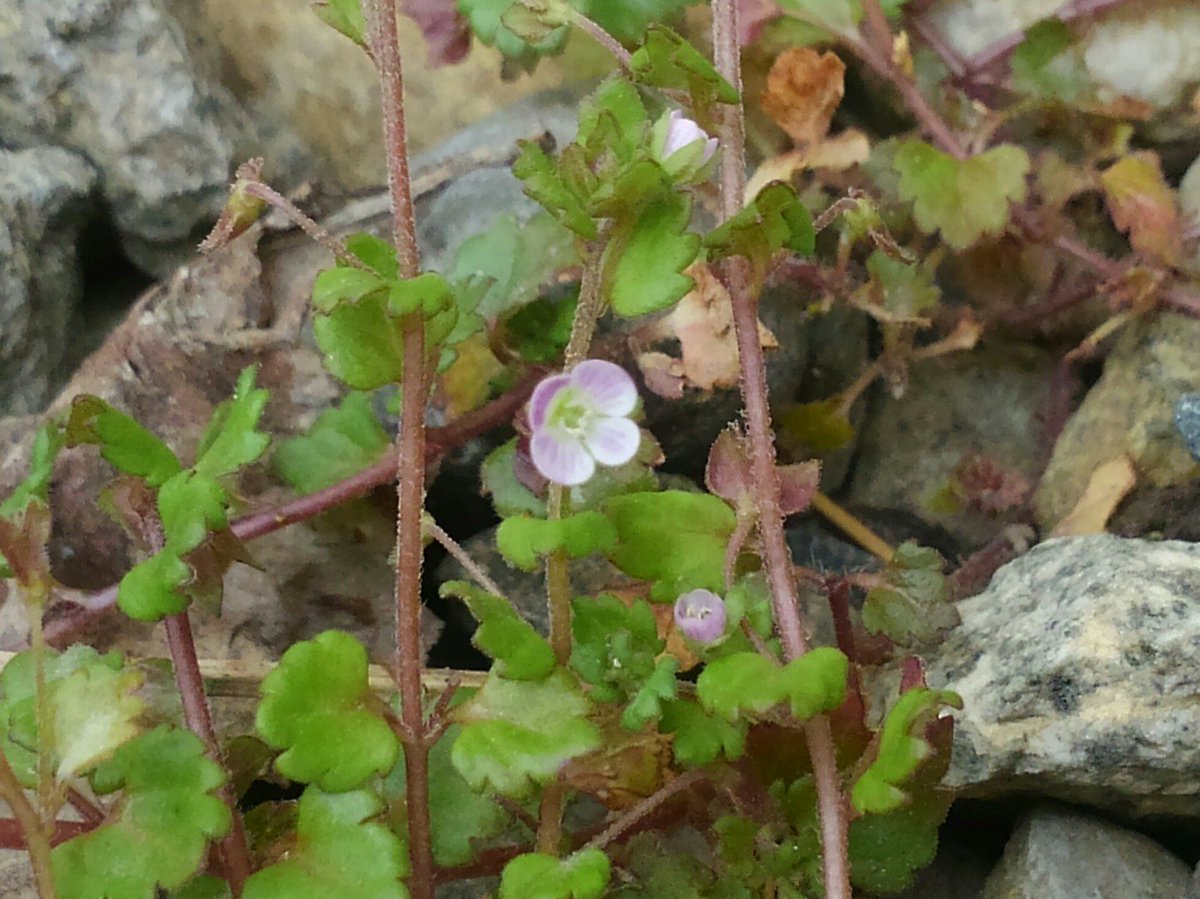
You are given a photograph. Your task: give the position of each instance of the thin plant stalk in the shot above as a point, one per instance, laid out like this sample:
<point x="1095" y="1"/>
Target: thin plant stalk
<point x="776" y="555"/>
<point x="411" y="447"/>
<point x="36" y="838"/>
<point x="234" y="851"/>
<point x="558" y="577"/>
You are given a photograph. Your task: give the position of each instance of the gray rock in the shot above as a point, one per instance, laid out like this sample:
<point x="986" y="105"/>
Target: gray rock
<point x="43" y="205"/>
<point x="113" y="80"/>
<point x="1187" y="420"/>
<point x="1079" y="669"/>
<point x="1129" y="411"/>
<point x="1058" y="854"/>
<point x="985" y="402"/>
<point x="1114" y="48"/>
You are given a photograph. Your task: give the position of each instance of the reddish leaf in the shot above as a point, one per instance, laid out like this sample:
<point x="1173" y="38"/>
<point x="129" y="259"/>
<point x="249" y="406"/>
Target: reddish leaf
<point x="1143" y="205"/>
<point x="445" y="29"/>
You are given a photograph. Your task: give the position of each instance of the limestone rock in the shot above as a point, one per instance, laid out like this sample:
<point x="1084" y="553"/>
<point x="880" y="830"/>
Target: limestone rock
<point x="43" y="205"/>
<point x="985" y="402"/>
<point x="1079" y="669"/>
<point x="1115" y="46"/>
<point x="1057" y="854"/>
<point x="1129" y="410"/>
<point x="114" y="81"/>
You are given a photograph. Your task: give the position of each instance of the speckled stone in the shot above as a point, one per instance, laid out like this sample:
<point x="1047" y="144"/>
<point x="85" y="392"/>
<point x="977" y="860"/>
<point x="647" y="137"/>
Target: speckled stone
<point x="1079" y="669"/>
<point x="1131" y="411"/>
<point x="1058" y="854"/>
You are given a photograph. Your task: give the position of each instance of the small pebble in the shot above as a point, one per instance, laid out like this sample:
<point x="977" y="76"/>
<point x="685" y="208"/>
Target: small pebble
<point x="1187" y="420"/>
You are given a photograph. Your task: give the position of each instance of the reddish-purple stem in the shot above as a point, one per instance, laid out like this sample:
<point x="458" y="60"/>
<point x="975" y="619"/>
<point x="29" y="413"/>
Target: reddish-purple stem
<point x="776" y="556"/>
<point x="234" y="851"/>
<point x="410" y="441"/>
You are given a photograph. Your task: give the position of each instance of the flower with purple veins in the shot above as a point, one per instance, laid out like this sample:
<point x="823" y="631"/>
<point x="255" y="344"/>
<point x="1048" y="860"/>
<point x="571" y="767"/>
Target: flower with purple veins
<point x="580" y="418"/>
<point x="700" y="616"/>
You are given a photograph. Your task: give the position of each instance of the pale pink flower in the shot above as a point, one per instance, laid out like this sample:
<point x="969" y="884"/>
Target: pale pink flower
<point x="700" y="616"/>
<point x="680" y="132"/>
<point x="580" y="418"/>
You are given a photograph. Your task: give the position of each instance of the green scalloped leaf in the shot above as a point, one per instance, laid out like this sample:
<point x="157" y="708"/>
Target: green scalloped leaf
<point x="124" y="443"/>
<point x="699" y="738"/>
<point x="645" y="260"/>
<point x="545" y="184"/>
<point x="318" y="707"/>
<point x="231" y="439"/>
<point x="614" y="645"/>
<point x="517" y="735"/>
<point x="362" y="344"/>
<point x="339" y="852"/>
<point x="521" y="653"/>
<point x="963" y="199"/>
<point x="582" y="875"/>
<point x="912" y="607"/>
<point x="166" y="819"/>
<point x="93" y="710"/>
<point x="673" y="537"/>
<point x="667" y="61"/>
<point x="902" y="747"/>
<point x="748" y="683"/>
<point x="524" y="540"/>
<point x="341" y="443"/>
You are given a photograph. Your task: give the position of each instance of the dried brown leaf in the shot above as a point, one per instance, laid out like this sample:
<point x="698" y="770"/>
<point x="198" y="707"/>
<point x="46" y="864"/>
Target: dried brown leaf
<point x="804" y="88"/>
<point x="702" y="322"/>
<point x="1110" y="483"/>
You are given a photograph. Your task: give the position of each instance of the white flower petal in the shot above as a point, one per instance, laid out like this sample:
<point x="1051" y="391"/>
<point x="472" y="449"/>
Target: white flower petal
<point x="561" y="458"/>
<point x="608" y="388"/>
<point x="613" y="441"/>
<point x="680" y="132"/>
<point x="545" y="391"/>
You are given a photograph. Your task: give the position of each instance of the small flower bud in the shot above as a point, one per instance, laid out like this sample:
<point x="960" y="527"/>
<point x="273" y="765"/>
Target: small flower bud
<point x="683" y="148"/>
<point x="700" y="616"/>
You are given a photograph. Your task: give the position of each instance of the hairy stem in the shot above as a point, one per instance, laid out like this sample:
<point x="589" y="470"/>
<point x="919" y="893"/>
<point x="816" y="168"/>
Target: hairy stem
<point x="603" y="38"/>
<point x="631" y="817"/>
<point x="32" y="826"/>
<point x="196" y="714"/>
<point x="558" y="575"/>
<point x="463" y="558"/>
<point x="304" y="222"/>
<point x="385" y="47"/>
<point x="776" y="556"/>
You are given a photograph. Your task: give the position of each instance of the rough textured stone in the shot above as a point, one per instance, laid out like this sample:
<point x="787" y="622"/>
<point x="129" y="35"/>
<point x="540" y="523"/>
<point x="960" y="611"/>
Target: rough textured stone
<point x="1079" y="668"/>
<point x="985" y="402"/>
<point x="43" y="204"/>
<point x="1115" y="47"/>
<point x="306" y="84"/>
<point x="1130" y="410"/>
<point x="1058" y="854"/>
<point x="113" y="80"/>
